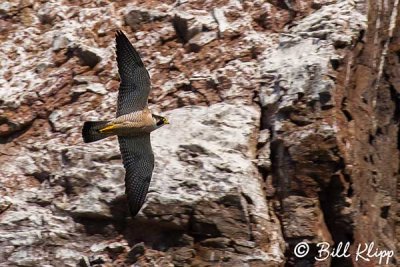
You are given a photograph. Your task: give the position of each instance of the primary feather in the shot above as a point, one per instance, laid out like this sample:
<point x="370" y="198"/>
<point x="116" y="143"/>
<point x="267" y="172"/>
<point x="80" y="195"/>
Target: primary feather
<point x="134" y="88"/>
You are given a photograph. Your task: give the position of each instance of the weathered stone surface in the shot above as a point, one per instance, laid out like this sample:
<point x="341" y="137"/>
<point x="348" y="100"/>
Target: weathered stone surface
<point x="310" y="162"/>
<point x="186" y="26"/>
<point x="218" y="145"/>
<point x="189" y="23"/>
<point x="135" y="17"/>
<point x="201" y="39"/>
<point x="303" y="217"/>
<point x="220" y="18"/>
<point x="368" y="131"/>
<point x="321" y="152"/>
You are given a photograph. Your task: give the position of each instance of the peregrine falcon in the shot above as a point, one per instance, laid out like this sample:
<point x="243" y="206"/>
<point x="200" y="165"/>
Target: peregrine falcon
<point x="133" y="123"/>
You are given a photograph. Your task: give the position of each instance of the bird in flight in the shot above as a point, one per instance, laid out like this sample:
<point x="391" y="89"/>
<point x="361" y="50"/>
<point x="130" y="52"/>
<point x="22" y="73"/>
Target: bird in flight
<point x="133" y="123"/>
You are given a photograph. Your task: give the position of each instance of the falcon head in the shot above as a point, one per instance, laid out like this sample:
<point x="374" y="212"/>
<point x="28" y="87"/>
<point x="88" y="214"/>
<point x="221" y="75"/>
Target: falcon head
<point x="159" y="120"/>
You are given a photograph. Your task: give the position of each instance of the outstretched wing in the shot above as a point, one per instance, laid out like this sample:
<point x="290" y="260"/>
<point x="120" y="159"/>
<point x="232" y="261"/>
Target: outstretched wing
<point x="138" y="160"/>
<point x="135" y="80"/>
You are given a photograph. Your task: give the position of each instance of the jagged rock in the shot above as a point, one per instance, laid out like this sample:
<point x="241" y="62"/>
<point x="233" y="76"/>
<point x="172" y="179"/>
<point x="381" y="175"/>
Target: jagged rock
<point x="117" y="247"/>
<point x="8" y="8"/>
<point x="186" y="26"/>
<point x="98" y="259"/>
<point x="12" y="123"/>
<point x="183" y="256"/>
<point x="303" y="218"/>
<point x="67" y="256"/>
<point x="136" y="17"/>
<point x="136" y="251"/>
<point x="230" y="217"/>
<point x="89" y="56"/>
<point x="98" y="247"/>
<point x="201" y="39"/>
<point x="219" y="16"/>
<point x="28" y="230"/>
<point x="82" y="79"/>
<point x="264" y="162"/>
<point x="84" y="262"/>
<point x="23" y="257"/>
<point x="5" y="203"/>
<point x="264" y="137"/>
<point x="217" y="242"/>
<point x="60" y="42"/>
<point x="302" y="63"/>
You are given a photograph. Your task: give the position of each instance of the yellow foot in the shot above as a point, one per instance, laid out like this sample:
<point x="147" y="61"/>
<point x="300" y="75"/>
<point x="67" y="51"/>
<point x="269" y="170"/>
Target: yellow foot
<point x="107" y="129"/>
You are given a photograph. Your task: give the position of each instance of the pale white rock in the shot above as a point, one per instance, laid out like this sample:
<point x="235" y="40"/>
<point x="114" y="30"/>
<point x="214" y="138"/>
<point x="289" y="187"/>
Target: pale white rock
<point x="118" y="246"/>
<point x="98" y="88"/>
<point x="60" y="42"/>
<point x="7" y="7"/>
<point x="67" y="256"/>
<point x="206" y="19"/>
<point x="219" y="16"/>
<point x="27" y="227"/>
<point x="304" y="53"/>
<point x="98" y="247"/>
<point x="25" y="257"/>
<point x="5" y="203"/>
<point x="296" y="67"/>
<point x="212" y="143"/>
<point x="205" y="155"/>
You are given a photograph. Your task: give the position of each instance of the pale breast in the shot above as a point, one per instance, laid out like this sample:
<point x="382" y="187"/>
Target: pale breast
<point x="134" y="123"/>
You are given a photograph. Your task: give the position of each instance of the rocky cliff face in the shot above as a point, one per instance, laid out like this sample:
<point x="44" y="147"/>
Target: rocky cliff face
<point x="284" y="128"/>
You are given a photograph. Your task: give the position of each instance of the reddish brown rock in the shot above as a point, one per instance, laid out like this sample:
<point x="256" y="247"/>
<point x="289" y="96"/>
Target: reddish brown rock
<point x="235" y="183"/>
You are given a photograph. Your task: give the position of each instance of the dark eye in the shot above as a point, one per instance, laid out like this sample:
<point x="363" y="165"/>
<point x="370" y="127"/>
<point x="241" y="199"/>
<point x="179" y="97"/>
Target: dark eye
<point x="160" y="122"/>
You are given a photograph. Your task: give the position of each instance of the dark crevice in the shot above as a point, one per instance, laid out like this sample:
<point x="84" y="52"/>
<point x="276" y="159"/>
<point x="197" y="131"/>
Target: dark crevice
<point x="345" y="110"/>
<point x="347" y="115"/>
<point x="385" y="212"/>
<point x="94" y="226"/>
<point x="361" y="36"/>
<point x="16" y="133"/>
<point x="395" y="96"/>
<point x="335" y="63"/>
<point x="340" y="226"/>
<point x="41" y="176"/>
<point x="350" y="191"/>
<point x="379" y="131"/>
<point x="69" y="189"/>
<point x="371" y="139"/>
<point x="134" y="231"/>
<point x="65" y="158"/>
<point x="249" y="201"/>
<point x="281" y="166"/>
<point x="247" y="198"/>
<point x="268" y="116"/>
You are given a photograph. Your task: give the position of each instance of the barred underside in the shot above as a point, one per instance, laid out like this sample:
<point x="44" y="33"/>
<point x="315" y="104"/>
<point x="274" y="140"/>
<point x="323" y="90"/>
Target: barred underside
<point x="135" y="80"/>
<point x="138" y="160"/>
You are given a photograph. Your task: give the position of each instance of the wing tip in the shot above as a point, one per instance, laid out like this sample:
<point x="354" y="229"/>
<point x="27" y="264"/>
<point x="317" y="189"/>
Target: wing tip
<point x="134" y="211"/>
<point x="119" y="32"/>
<point x="123" y="45"/>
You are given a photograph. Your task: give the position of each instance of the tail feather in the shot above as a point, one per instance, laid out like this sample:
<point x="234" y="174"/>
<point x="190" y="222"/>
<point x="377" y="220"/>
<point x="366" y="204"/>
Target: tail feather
<point x="91" y="133"/>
